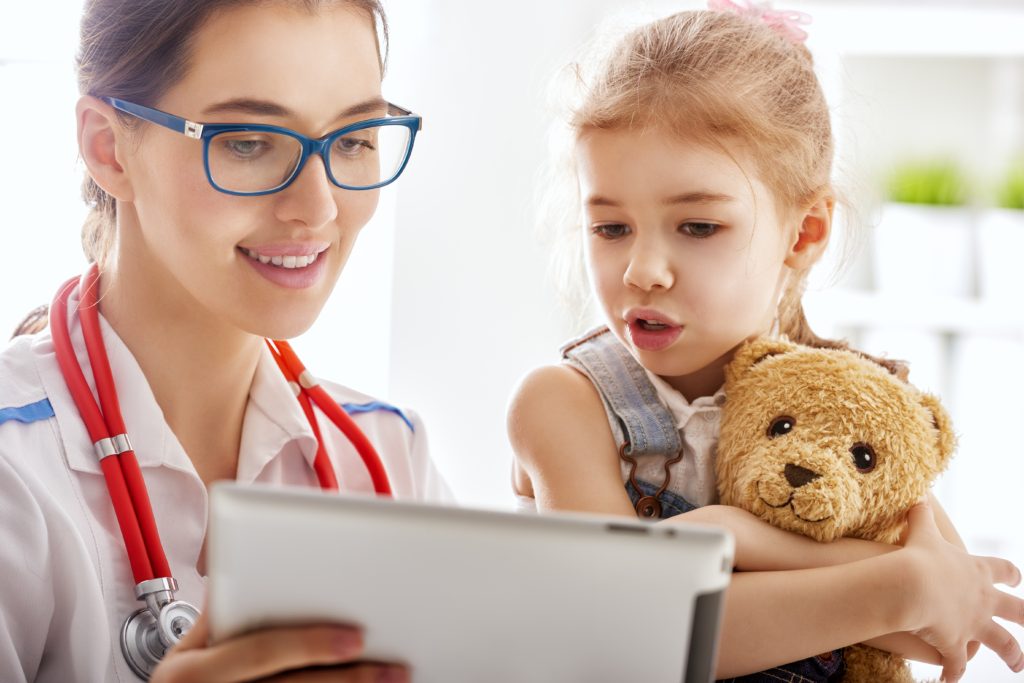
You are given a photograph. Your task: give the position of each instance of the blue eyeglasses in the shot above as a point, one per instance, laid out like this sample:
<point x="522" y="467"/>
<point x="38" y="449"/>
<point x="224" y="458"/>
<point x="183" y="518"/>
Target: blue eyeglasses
<point x="255" y="159"/>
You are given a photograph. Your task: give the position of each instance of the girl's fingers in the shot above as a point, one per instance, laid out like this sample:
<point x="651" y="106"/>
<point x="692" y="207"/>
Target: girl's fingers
<point x="1003" y="571"/>
<point x="953" y="668"/>
<point x="1000" y="641"/>
<point x="920" y="520"/>
<point x="1010" y="607"/>
<point x="363" y="673"/>
<point x="270" y="652"/>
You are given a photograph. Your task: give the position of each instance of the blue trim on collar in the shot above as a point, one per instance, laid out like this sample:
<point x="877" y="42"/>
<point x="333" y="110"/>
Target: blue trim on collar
<point x="356" y="408"/>
<point x="33" y="412"/>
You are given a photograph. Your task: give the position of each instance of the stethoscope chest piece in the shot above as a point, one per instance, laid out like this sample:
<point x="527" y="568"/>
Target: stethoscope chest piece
<point x="150" y="632"/>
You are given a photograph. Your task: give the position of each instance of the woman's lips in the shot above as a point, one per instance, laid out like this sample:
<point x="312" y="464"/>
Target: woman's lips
<point x="290" y="273"/>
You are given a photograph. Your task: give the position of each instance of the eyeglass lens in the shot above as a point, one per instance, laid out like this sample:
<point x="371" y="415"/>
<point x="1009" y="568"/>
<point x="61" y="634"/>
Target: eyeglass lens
<point x="257" y="161"/>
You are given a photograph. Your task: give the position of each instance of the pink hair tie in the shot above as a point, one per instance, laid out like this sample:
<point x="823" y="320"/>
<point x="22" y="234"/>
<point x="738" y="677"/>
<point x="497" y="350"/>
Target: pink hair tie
<point x="786" y="23"/>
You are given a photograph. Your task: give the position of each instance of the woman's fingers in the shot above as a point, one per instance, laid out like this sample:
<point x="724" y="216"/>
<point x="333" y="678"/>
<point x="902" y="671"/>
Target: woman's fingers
<point x="266" y="653"/>
<point x="363" y="673"/>
<point x="1002" y="642"/>
<point x="196" y="636"/>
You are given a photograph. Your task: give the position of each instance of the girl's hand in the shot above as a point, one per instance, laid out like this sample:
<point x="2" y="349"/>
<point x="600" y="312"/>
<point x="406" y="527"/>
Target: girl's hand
<point x="276" y="654"/>
<point x="954" y="600"/>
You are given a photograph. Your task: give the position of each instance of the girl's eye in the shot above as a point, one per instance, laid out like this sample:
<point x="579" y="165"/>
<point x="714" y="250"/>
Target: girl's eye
<point x="610" y="230"/>
<point x="699" y="230"/>
<point x="780" y="426"/>
<point x="863" y="457"/>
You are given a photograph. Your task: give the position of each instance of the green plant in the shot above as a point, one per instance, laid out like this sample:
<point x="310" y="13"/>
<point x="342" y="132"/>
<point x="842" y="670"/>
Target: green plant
<point x="935" y="183"/>
<point x="1011" y="192"/>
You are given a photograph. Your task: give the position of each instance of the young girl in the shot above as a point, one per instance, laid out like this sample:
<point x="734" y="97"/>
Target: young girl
<point x="702" y="156"/>
<point x="234" y="151"/>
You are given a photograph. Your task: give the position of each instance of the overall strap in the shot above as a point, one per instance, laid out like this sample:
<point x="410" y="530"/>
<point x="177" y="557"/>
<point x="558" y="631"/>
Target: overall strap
<point x="647" y="425"/>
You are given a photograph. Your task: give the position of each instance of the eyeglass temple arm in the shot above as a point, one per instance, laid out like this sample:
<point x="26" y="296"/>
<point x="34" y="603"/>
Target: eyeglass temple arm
<point x="396" y="110"/>
<point x="175" y="123"/>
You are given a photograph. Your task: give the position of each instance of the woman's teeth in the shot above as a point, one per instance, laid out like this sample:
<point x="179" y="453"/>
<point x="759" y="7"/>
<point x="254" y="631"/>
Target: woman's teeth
<point x="651" y="324"/>
<point x="282" y="261"/>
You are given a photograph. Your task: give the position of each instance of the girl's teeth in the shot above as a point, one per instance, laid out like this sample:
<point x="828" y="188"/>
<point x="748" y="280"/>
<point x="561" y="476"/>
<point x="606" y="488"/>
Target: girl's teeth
<point x="283" y="261"/>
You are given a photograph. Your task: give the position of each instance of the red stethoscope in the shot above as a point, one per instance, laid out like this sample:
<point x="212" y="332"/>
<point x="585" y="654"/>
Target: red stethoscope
<point x="148" y="633"/>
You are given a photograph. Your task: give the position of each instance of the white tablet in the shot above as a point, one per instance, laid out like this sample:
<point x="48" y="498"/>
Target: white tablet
<point x="467" y="596"/>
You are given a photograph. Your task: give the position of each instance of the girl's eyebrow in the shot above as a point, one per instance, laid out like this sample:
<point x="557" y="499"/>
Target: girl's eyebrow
<point x="246" y="105"/>
<point x="699" y="197"/>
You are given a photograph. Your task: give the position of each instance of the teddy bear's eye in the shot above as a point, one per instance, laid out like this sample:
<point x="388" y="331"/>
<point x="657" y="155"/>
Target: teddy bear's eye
<point x="781" y="425"/>
<point x="863" y="457"/>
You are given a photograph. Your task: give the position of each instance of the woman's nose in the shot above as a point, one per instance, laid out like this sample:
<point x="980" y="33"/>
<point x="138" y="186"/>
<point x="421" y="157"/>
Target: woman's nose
<point x="649" y="266"/>
<point x="310" y="200"/>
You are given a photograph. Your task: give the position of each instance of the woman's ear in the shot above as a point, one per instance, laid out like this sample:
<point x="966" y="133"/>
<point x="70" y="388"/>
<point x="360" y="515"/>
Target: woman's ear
<point x="101" y="142"/>
<point x="812" y="234"/>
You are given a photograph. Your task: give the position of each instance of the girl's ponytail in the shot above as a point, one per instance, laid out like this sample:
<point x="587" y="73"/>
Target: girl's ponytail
<point x="793" y="323"/>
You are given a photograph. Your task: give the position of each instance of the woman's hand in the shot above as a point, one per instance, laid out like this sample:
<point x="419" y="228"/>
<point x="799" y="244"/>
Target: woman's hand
<point x="954" y="599"/>
<point x="276" y="654"/>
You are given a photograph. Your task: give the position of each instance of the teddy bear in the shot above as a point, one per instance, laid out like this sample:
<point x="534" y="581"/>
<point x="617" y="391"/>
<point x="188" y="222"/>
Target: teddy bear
<point x="828" y="443"/>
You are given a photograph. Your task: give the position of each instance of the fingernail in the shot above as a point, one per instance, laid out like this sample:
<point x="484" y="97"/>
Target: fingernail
<point x="392" y="674"/>
<point x="348" y="643"/>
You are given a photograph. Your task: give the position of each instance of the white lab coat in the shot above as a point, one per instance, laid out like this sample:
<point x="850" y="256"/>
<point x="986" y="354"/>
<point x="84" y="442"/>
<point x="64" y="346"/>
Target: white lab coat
<point x="65" y="582"/>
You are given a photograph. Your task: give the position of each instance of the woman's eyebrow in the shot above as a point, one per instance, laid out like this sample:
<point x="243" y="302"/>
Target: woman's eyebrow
<point x="247" y="105"/>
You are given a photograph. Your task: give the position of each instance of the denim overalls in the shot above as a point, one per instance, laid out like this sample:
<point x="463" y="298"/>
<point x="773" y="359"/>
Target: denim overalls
<point x="649" y="437"/>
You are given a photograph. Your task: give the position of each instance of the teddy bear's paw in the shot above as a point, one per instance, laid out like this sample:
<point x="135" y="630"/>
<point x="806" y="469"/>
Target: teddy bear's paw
<point x="869" y="665"/>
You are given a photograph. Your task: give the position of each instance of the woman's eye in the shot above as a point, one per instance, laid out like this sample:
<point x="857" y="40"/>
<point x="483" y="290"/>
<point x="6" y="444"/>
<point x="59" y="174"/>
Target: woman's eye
<point x="610" y="230"/>
<point x="699" y="229"/>
<point x="780" y="426"/>
<point x="352" y="146"/>
<point x="246" y="149"/>
<point x="863" y="457"/>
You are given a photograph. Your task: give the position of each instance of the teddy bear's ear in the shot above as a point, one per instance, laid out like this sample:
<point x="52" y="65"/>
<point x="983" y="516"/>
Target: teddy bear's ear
<point x="753" y="352"/>
<point x="943" y="426"/>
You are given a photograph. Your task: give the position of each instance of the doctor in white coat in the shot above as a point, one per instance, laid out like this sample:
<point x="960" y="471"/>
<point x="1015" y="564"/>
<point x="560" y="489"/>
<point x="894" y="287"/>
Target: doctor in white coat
<point x="234" y="152"/>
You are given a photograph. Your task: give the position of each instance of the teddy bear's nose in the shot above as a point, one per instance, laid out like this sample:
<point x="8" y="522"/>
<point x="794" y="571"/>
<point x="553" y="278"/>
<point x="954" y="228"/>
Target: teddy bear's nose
<point x="798" y="476"/>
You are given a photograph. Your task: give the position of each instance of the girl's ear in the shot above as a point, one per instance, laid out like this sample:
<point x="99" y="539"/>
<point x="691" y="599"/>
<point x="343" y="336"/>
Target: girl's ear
<point x="813" y="233"/>
<point x="101" y="141"/>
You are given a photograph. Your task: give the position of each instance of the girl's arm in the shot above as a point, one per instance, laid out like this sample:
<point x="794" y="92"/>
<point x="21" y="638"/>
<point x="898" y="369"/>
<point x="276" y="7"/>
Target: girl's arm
<point x="566" y="454"/>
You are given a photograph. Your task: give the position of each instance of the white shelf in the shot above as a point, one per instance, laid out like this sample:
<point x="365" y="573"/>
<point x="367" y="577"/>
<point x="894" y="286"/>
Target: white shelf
<point x="953" y="315"/>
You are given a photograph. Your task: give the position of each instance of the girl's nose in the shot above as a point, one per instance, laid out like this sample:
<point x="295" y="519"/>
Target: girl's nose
<point x="310" y="200"/>
<point x="649" y="266"/>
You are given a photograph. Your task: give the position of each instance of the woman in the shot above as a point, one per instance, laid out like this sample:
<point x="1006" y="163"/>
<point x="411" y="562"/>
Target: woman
<point x="234" y="151"/>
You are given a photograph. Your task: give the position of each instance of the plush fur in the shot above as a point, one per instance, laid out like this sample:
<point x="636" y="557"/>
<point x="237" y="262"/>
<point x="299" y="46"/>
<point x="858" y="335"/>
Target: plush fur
<point x="832" y="411"/>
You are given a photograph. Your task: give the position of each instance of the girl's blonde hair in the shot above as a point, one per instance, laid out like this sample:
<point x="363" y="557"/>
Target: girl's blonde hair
<point x="709" y="77"/>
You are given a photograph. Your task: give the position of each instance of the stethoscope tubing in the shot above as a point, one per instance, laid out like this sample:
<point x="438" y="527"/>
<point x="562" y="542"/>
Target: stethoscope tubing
<point x="150" y="631"/>
<point x="121" y="471"/>
<point x="309" y="391"/>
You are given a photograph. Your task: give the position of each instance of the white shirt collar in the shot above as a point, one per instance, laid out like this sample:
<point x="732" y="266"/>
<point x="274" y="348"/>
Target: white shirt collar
<point x="677" y="404"/>
<point x="273" y="418"/>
